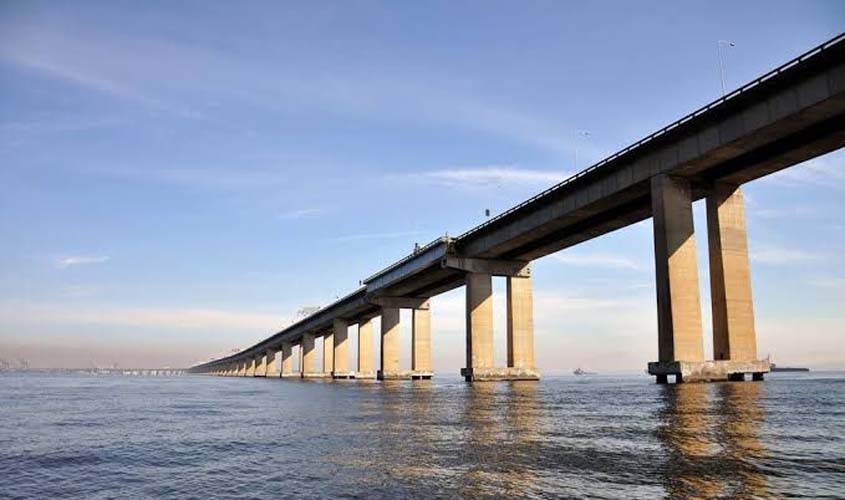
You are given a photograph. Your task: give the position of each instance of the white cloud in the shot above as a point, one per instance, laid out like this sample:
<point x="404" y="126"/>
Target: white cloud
<point x="827" y="171"/>
<point x="776" y="255"/>
<point x="16" y="312"/>
<point x="374" y="236"/>
<point x="300" y="213"/>
<point x="77" y="260"/>
<point x="830" y="282"/>
<point x="492" y="175"/>
<point x="597" y="260"/>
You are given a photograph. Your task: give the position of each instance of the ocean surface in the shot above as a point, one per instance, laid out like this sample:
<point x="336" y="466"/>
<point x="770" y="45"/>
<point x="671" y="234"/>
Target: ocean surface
<point x="99" y="437"/>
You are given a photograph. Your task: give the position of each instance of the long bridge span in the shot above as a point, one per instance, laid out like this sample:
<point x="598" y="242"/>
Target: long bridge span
<point x="789" y="115"/>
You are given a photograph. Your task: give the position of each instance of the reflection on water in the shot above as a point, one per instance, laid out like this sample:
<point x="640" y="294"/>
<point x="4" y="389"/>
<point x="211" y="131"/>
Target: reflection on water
<point x="711" y="435"/>
<point x="598" y="437"/>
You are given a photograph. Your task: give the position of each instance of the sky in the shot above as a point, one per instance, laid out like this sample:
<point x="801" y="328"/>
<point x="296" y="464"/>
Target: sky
<point x="178" y="179"/>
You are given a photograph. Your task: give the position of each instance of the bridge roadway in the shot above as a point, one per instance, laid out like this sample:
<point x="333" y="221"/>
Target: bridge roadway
<point x="791" y="114"/>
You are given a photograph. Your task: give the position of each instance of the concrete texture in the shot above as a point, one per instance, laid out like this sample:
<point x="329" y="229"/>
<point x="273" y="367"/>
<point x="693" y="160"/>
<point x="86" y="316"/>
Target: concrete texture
<point x="287" y="360"/>
<point x="520" y="318"/>
<point x="421" y="340"/>
<point x="680" y="335"/>
<point x="479" y="321"/>
<point x="390" y="337"/>
<point x="498" y="374"/>
<point x="366" y="356"/>
<point x="260" y="366"/>
<point x="328" y="352"/>
<point x="734" y="336"/>
<point x="250" y="367"/>
<point x="272" y="364"/>
<point x="341" y="349"/>
<point x="708" y="371"/>
<point x="308" y="354"/>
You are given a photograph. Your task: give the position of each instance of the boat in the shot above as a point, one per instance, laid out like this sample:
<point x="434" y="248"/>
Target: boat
<point x="579" y="371"/>
<point x="776" y="368"/>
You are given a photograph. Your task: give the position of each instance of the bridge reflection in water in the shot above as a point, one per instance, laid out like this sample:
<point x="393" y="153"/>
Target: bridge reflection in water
<point x="711" y="436"/>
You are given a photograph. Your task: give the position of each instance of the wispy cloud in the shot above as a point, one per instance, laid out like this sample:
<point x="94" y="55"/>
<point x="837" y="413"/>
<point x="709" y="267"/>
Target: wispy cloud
<point x="789" y="211"/>
<point x="826" y="171"/>
<point x="16" y="312"/>
<point x="829" y="283"/>
<point x="767" y="254"/>
<point x="492" y="175"/>
<point x="79" y="260"/>
<point x="300" y="213"/>
<point x="597" y="260"/>
<point x="374" y="236"/>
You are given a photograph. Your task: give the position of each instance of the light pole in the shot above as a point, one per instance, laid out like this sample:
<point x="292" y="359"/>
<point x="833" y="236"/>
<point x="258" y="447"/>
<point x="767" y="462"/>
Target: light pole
<point x="719" y="46"/>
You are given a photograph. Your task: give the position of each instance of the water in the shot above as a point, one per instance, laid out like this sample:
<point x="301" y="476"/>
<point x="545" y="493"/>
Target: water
<point x="89" y="437"/>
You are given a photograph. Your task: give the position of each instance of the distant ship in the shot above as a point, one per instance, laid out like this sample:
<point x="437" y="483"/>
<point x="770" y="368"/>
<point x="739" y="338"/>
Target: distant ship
<point x="579" y="371"/>
<point x="776" y="368"/>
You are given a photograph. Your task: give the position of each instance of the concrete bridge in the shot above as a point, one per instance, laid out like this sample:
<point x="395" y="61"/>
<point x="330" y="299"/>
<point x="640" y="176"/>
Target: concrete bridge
<point x="792" y="114"/>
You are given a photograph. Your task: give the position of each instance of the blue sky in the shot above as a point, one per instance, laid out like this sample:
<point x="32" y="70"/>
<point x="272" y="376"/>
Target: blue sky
<point x="177" y="179"/>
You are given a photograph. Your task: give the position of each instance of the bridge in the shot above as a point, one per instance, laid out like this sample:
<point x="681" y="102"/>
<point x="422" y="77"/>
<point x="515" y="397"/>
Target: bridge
<point x="789" y="115"/>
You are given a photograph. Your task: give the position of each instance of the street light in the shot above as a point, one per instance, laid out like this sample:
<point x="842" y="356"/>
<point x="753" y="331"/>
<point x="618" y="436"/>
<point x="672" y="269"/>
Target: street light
<point x="719" y="46"/>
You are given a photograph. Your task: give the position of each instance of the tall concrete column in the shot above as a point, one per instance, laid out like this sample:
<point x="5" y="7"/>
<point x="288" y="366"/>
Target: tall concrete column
<point x="366" y="358"/>
<point x="520" y="315"/>
<point x="243" y="368"/>
<point x="287" y="359"/>
<point x="250" y="367"/>
<point x="260" y="365"/>
<point x="308" y="354"/>
<point x="341" y="349"/>
<point x="421" y="342"/>
<point x="479" y="324"/>
<point x="390" y="336"/>
<point x="678" y="303"/>
<point x="734" y="337"/>
<point x="328" y="353"/>
<point x="272" y="364"/>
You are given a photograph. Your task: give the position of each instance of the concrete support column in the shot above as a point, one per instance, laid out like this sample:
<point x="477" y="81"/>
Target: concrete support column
<point x="479" y="324"/>
<point x="328" y="353"/>
<point x="250" y="367"/>
<point x="341" y="349"/>
<point x="242" y="370"/>
<point x="366" y="364"/>
<point x="308" y="355"/>
<point x="421" y="342"/>
<point x="272" y="364"/>
<point x="390" y="334"/>
<point x="260" y="365"/>
<point x="287" y="359"/>
<point x="678" y="303"/>
<point x="520" y="315"/>
<point x="734" y="337"/>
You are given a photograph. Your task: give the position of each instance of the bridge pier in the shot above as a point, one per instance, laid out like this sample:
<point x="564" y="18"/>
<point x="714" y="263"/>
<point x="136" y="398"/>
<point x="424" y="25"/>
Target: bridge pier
<point x="341" y="350"/>
<point x="272" y="370"/>
<point x="680" y="337"/>
<point x="390" y="336"/>
<point x="421" y="367"/>
<point x="287" y="361"/>
<point x="480" y="365"/>
<point x="308" y="354"/>
<point x="260" y="366"/>
<point x="366" y="366"/>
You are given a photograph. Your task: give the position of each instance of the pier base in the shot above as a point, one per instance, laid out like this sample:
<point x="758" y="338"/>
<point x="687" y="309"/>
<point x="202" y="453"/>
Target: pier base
<point x="316" y="375"/>
<point x="707" y="371"/>
<point x="368" y="375"/>
<point x="495" y="374"/>
<point x="343" y="375"/>
<point x="404" y="375"/>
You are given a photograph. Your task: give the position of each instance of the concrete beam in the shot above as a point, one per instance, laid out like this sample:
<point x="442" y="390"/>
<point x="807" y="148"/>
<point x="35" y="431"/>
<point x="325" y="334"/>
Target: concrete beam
<point x="520" y="317"/>
<point x="401" y="302"/>
<point x="494" y="267"/>
<point x="421" y="341"/>
<point x="390" y="335"/>
<point x="366" y="358"/>
<point x="341" y="350"/>
<point x="479" y="323"/>
<point x="734" y="336"/>
<point x="680" y="335"/>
